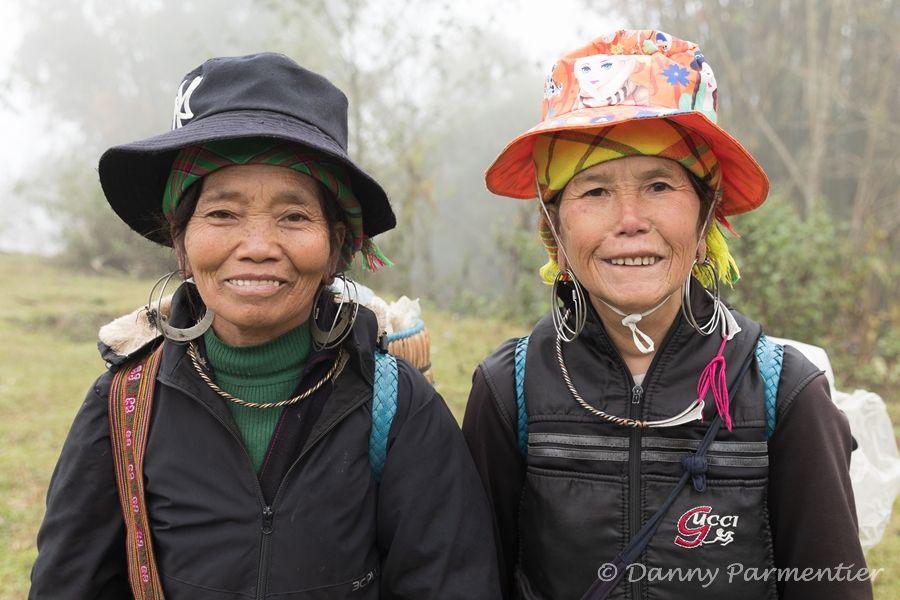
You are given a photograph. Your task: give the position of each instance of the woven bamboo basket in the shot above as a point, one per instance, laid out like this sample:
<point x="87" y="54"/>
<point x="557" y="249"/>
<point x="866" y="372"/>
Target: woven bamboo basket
<point x="414" y="345"/>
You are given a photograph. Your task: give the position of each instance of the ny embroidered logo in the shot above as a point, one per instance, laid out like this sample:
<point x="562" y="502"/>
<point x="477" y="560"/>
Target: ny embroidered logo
<point x="696" y="525"/>
<point x="182" y="110"/>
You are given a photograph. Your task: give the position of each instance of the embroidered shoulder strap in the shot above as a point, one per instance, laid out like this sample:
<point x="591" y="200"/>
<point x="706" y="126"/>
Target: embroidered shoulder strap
<point x="770" y="356"/>
<point x="384" y="407"/>
<point x="130" y="404"/>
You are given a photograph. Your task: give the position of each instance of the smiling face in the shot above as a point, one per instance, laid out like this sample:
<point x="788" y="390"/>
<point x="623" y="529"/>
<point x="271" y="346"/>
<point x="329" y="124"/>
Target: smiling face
<point x="258" y="246"/>
<point x="630" y="229"/>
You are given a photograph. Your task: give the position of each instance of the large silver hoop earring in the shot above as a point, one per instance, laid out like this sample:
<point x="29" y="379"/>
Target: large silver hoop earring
<point x="161" y="322"/>
<point x="344" y="316"/>
<point x="716" y="296"/>
<point x="561" y="313"/>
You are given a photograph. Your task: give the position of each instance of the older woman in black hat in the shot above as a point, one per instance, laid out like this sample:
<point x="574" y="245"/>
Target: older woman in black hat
<point x="251" y="440"/>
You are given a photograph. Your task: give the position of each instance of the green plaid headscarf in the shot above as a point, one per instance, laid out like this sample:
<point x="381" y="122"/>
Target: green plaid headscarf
<point x="195" y="162"/>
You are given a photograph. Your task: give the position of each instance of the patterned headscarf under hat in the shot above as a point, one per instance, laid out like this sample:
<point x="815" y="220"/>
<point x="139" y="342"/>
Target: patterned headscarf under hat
<point x="195" y="162"/>
<point x="559" y="156"/>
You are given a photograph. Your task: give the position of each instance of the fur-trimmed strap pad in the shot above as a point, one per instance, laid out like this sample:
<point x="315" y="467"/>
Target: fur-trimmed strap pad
<point x="128" y="335"/>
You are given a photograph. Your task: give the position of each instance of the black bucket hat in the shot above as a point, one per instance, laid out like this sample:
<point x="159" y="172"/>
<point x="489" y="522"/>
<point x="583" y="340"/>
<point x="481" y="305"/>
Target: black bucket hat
<point x="263" y="95"/>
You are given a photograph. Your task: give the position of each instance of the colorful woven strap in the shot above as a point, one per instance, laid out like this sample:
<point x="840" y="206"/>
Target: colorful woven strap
<point x="384" y="407"/>
<point x="130" y="404"/>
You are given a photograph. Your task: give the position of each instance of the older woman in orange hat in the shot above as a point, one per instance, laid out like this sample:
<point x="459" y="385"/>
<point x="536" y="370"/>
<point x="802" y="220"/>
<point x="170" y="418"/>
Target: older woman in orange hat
<point x="646" y="440"/>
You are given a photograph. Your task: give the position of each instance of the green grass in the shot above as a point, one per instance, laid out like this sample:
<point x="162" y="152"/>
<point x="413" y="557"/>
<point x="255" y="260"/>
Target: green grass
<point x="48" y="359"/>
<point x="48" y="323"/>
<point x="458" y="344"/>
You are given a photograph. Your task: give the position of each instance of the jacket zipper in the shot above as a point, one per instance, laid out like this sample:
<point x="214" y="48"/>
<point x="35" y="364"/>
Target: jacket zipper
<point x="267" y="511"/>
<point x="634" y="473"/>
<point x="634" y="445"/>
<point x="267" y="514"/>
<point x="262" y="579"/>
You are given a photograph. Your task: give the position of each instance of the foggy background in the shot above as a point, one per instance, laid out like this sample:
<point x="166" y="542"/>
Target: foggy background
<point x="437" y="88"/>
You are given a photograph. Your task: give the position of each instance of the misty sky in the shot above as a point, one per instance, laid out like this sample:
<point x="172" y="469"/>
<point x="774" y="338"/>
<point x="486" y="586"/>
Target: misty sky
<point x="27" y="134"/>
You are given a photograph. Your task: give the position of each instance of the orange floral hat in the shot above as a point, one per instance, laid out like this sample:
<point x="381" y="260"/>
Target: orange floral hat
<point x="626" y="76"/>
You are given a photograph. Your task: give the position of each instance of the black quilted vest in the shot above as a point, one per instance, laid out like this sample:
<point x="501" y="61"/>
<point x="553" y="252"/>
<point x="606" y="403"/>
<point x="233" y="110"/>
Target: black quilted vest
<point x="590" y="485"/>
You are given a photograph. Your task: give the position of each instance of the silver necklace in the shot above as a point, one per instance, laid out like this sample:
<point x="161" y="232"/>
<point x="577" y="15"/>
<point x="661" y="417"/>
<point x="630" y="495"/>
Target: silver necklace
<point x="694" y="412"/>
<point x="332" y="373"/>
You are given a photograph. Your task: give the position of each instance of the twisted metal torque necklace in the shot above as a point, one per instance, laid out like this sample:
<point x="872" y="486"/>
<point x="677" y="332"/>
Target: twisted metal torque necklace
<point x="332" y="373"/>
<point x="694" y="412"/>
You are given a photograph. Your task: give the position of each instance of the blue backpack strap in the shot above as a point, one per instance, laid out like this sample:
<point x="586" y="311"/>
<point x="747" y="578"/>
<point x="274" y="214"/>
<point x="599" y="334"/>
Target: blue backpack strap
<point x="521" y="412"/>
<point x="769" y="356"/>
<point x="384" y="407"/>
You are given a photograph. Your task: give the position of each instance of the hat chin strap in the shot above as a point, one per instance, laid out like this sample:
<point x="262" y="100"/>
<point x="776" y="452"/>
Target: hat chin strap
<point x="642" y="341"/>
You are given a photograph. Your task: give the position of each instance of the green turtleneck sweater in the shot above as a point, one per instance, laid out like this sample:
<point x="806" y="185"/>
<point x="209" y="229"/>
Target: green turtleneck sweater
<point x="265" y="373"/>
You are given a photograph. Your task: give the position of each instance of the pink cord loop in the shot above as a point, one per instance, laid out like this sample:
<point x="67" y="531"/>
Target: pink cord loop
<point x="713" y="377"/>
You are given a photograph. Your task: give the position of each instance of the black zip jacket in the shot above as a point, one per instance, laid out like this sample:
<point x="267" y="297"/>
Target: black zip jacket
<point x="317" y="526"/>
<point x="587" y="486"/>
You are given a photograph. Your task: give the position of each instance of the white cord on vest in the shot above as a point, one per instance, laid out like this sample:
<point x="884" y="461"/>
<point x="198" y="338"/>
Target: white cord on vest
<point x="642" y="341"/>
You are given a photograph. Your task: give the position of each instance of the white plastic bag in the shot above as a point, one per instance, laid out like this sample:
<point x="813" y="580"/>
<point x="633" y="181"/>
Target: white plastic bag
<point x="875" y="465"/>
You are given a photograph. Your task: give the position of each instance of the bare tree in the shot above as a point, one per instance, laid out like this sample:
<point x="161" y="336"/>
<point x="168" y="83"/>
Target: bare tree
<point x="406" y="66"/>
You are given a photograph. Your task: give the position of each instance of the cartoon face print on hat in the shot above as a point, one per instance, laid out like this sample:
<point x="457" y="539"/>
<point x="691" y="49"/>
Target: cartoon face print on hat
<point x="605" y="80"/>
<point x="551" y="87"/>
<point x="705" y="95"/>
<point x="663" y="41"/>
